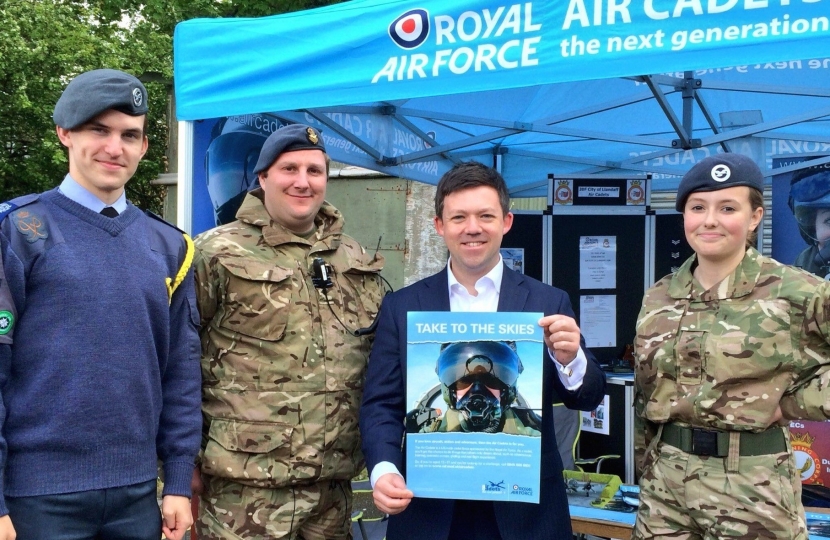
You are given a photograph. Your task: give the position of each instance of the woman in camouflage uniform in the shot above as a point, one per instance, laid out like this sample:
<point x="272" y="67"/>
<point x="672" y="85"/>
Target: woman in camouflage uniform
<point x="728" y="348"/>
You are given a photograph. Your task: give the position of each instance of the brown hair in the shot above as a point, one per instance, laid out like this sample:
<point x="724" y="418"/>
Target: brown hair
<point x="468" y="175"/>
<point x="756" y="200"/>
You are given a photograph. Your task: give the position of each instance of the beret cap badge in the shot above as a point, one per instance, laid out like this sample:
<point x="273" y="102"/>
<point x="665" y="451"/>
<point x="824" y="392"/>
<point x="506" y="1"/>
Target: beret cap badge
<point x="138" y="97"/>
<point x="288" y="138"/>
<point x="721" y="173"/>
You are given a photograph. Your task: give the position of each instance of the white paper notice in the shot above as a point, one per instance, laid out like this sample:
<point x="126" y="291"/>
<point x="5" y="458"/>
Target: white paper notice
<point x="598" y="420"/>
<point x="598" y="319"/>
<point x="597" y="262"/>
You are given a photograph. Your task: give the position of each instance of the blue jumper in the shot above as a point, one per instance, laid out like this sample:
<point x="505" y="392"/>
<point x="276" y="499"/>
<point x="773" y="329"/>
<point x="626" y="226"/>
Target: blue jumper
<point x="99" y="369"/>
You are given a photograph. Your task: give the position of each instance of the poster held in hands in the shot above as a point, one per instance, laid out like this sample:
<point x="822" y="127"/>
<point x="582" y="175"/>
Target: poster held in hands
<point x="474" y="398"/>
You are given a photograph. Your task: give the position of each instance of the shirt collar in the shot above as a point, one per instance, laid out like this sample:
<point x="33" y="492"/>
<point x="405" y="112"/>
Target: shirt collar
<point x="494" y="276"/>
<point x="76" y="192"/>
<point x="740" y="283"/>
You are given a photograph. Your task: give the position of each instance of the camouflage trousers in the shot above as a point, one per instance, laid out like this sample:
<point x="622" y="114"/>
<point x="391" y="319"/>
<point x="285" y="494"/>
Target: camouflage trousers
<point x="232" y="511"/>
<point x="689" y="497"/>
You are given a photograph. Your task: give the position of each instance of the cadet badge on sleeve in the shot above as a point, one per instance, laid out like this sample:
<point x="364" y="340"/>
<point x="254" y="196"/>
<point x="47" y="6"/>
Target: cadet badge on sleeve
<point x="30" y="225"/>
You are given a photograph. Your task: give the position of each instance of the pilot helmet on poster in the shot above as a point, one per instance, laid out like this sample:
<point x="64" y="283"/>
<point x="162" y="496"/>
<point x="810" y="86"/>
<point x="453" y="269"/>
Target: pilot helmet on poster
<point x="478" y="380"/>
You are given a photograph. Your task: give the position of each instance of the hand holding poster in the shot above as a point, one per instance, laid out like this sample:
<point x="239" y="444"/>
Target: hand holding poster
<point x="474" y="388"/>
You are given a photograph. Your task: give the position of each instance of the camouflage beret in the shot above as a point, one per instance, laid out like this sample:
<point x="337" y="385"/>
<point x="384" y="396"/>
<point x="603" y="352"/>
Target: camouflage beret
<point x="93" y="92"/>
<point x="288" y="139"/>
<point x="718" y="172"/>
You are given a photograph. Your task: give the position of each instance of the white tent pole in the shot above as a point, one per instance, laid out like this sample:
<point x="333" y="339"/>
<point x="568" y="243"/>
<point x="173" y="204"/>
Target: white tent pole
<point x="184" y="205"/>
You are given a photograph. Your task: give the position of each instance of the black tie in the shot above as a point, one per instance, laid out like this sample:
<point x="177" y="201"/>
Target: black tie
<point x="109" y="211"/>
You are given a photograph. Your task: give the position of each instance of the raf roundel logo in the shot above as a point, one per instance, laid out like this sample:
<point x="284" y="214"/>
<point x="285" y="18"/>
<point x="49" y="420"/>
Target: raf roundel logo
<point x="411" y="29"/>
<point x="138" y="97"/>
<point x="721" y="173"/>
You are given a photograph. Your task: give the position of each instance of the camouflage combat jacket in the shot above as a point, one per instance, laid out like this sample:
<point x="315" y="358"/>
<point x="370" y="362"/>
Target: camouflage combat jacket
<point x="282" y="378"/>
<point x="726" y="358"/>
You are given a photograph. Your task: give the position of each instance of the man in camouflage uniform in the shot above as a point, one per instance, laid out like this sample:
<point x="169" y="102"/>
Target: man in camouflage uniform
<point x="717" y="371"/>
<point x="285" y="299"/>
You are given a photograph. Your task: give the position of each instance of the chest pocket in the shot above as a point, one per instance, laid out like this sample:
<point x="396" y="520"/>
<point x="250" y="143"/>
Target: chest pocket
<point x="362" y="292"/>
<point x="690" y="350"/>
<point x="257" y="299"/>
<point x="753" y="341"/>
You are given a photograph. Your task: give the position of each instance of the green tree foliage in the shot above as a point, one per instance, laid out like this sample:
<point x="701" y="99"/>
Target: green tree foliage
<point x="44" y="43"/>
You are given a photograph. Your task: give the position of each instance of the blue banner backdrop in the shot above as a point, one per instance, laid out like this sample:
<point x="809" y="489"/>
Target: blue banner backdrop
<point x="378" y="50"/>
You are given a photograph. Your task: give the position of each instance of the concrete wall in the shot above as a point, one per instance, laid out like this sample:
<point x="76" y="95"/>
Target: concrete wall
<point x="427" y="254"/>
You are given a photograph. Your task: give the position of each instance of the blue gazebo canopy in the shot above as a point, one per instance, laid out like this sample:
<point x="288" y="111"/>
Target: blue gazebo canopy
<point x="535" y="88"/>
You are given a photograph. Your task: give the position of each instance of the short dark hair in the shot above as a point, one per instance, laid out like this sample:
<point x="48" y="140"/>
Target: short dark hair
<point x="468" y="175"/>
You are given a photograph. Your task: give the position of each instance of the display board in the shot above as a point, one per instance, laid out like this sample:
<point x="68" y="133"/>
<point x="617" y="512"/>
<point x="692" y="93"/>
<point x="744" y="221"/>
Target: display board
<point x="527" y="235"/>
<point x="670" y="246"/>
<point x="619" y="417"/>
<point x="598" y="253"/>
<point x="601" y="301"/>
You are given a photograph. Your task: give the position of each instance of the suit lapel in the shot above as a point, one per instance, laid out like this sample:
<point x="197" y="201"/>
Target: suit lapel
<point x="513" y="295"/>
<point x="436" y="297"/>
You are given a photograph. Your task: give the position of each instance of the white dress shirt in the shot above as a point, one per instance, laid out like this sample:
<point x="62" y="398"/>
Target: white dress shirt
<point x="488" y="288"/>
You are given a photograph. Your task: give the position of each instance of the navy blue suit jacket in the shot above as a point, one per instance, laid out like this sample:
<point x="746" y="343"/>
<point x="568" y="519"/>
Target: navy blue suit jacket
<point x="383" y="410"/>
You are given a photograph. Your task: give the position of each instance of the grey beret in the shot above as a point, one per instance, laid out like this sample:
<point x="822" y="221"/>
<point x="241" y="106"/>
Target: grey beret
<point x="288" y="139"/>
<point x="93" y="92"/>
<point x="717" y="172"/>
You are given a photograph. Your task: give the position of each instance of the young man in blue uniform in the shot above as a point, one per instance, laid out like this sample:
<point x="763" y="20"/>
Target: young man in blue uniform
<point x="99" y="351"/>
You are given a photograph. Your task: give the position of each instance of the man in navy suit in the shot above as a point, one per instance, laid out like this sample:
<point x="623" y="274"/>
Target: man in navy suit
<point x="472" y="215"/>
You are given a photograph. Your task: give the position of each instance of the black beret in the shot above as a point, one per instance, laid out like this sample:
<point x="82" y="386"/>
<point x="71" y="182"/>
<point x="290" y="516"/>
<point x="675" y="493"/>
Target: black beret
<point x="288" y="139"/>
<point x="717" y="172"/>
<point x="93" y="92"/>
